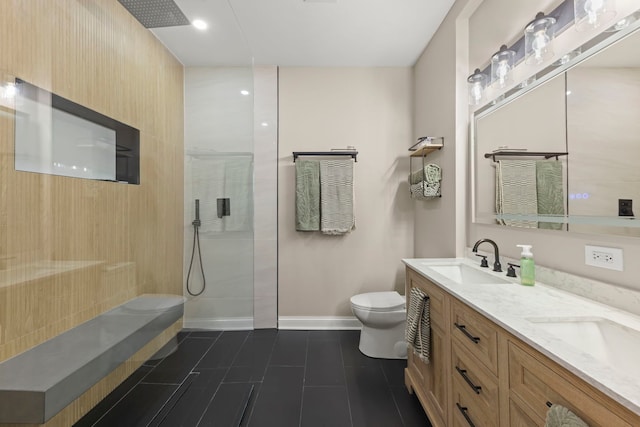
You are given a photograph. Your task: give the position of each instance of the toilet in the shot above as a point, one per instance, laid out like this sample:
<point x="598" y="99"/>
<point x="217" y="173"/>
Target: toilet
<point x="383" y="316"/>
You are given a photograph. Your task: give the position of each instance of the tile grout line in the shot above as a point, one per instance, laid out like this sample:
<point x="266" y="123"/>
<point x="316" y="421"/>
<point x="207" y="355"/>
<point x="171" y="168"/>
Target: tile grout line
<point x="304" y="376"/>
<point x="346" y="383"/>
<point x="257" y="394"/>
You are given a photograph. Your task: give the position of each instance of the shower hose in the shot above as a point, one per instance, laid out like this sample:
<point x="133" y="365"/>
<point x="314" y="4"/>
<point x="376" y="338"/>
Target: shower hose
<point x="196" y="242"/>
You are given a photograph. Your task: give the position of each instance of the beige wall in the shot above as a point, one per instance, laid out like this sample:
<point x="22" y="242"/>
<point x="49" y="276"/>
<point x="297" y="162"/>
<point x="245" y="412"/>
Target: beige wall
<point x="94" y="53"/>
<point x="555" y="249"/>
<point x="439" y="223"/>
<point x="324" y="108"/>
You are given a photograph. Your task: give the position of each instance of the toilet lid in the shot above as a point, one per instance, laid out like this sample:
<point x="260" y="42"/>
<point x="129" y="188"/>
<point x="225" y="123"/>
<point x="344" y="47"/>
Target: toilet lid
<point x="379" y="301"/>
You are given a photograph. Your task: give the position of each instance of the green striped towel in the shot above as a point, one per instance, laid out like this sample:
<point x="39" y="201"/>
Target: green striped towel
<point x="336" y="197"/>
<point x="307" y="195"/>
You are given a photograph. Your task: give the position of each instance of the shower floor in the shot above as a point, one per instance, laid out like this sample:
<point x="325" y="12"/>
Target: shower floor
<point x="263" y="378"/>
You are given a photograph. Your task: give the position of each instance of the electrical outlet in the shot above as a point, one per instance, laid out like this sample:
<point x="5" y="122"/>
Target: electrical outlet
<point x="603" y="257"/>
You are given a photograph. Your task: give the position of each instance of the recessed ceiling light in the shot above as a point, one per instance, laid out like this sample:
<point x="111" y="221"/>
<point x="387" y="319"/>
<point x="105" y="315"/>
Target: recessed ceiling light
<point x="265" y="124"/>
<point x="244" y="92"/>
<point x="199" y="24"/>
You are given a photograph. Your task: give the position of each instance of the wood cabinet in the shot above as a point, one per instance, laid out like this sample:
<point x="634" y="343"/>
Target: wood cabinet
<point x="480" y="375"/>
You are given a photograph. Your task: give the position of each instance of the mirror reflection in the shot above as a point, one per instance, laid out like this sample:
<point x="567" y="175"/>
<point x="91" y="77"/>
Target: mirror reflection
<point x="591" y="112"/>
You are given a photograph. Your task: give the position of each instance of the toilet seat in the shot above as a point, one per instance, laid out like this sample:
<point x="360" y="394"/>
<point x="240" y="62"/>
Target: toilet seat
<point x="379" y="301"/>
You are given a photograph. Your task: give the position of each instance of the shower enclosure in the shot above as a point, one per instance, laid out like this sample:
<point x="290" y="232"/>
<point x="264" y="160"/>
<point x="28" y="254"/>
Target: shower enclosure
<point x="219" y="162"/>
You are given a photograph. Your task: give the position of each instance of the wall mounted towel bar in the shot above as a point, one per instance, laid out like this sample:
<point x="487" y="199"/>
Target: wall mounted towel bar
<point x="507" y="153"/>
<point x="353" y="154"/>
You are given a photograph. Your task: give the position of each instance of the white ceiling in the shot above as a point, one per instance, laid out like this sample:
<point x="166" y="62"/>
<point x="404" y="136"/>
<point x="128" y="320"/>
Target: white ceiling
<point x="305" y="33"/>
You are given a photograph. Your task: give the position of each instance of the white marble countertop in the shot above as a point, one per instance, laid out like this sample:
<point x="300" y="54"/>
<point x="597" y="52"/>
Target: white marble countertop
<point x="511" y="305"/>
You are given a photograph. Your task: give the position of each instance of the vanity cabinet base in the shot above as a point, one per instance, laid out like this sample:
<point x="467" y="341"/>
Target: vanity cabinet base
<point x="480" y="374"/>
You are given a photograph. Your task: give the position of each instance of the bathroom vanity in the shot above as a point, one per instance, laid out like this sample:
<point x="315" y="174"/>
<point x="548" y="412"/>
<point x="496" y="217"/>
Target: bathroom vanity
<point x="501" y="353"/>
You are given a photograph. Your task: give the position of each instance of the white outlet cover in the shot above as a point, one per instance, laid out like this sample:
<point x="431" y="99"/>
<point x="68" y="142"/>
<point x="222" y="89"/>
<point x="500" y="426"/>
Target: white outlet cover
<point x="603" y="257"/>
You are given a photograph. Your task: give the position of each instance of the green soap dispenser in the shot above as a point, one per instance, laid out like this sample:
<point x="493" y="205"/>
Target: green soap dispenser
<point x="527" y="266"/>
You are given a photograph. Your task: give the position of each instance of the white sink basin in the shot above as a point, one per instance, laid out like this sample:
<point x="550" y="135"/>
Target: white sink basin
<point x="464" y="274"/>
<point x="613" y="344"/>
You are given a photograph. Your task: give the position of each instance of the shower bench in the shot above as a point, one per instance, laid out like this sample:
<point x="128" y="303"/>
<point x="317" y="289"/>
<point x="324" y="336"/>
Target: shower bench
<point x="39" y="383"/>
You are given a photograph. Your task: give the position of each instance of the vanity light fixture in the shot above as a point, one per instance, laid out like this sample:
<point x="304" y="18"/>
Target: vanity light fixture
<point x="501" y="65"/>
<point x="538" y="37"/>
<point x="623" y="23"/>
<point x="592" y="13"/>
<point x="476" y="83"/>
<point x="567" y="57"/>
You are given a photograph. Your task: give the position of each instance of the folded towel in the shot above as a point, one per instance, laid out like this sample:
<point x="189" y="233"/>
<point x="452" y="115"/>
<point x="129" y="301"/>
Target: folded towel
<point x="516" y="192"/>
<point x="336" y="196"/>
<point x="559" y="416"/>
<point x="550" y="191"/>
<point x="418" y="176"/>
<point x="307" y="195"/>
<point x="425" y="183"/>
<point x="418" y="332"/>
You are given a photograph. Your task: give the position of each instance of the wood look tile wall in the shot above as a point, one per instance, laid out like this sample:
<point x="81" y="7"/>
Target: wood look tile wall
<point x="94" y="53"/>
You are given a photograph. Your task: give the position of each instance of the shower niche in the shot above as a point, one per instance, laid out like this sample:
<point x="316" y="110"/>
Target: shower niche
<point x="56" y="136"/>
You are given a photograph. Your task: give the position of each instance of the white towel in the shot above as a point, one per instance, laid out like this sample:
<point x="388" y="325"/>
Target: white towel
<point x="336" y="197"/>
<point x="516" y="192"/>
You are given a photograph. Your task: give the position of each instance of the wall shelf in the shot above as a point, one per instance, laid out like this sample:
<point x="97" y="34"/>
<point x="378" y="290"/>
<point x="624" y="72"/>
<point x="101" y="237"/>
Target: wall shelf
<point x="353" y="154"/>
<point x="423" y="183"/>
<point x="520" y="153"/>
<point x="426" y="145"/>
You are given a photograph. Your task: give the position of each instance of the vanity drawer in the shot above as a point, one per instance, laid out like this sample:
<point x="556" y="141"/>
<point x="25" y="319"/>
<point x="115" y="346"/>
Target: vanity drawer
<point x="535" y="381"/>
<point x="468" y="410"/>
<point x="476" y="334"/>
<point x="479" y="383"/>
<point x="436" y="297"/>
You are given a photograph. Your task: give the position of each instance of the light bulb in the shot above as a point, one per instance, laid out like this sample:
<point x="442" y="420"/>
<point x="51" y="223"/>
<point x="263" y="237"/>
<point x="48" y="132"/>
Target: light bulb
<point x="502" y="72"/>
<point x="476" y="92"/>
<point x="539" y="45"/>
<point x="593" y="8"/>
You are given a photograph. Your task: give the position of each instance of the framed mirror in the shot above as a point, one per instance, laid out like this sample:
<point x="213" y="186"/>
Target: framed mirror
<point x="561" y="154"/>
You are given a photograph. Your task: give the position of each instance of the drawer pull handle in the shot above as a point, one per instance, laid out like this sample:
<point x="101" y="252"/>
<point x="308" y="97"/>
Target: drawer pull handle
<point x="463" y="372"/>
<point x="463" y="329"/>
<point x="463" y="411"/>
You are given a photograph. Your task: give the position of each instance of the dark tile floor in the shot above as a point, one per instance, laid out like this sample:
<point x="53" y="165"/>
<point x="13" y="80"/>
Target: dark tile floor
<point x="263" y="378"/>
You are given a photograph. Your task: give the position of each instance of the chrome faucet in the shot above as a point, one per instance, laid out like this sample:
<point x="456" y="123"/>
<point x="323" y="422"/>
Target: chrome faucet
<point x="496" y="263"/>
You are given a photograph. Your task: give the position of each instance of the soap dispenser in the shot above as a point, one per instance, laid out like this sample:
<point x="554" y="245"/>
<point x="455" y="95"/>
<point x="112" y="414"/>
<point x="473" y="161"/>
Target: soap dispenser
<point x="527" y="266"/>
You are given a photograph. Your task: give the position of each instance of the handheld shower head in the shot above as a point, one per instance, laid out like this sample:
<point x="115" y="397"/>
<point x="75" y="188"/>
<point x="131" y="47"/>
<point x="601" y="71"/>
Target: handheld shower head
<point x="196" y="222"/>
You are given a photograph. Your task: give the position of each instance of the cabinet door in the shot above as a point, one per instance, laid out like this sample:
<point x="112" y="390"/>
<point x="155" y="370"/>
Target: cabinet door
<point x="435" y="379"/>
<point x="430" y="380"/>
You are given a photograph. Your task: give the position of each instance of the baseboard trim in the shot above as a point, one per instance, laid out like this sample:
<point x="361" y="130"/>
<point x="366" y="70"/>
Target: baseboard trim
<point x="318" y="323"/>
<point x="223" y="324"/>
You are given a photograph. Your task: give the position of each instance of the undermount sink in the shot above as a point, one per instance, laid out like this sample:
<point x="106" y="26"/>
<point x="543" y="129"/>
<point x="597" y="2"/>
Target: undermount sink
<point x="613" y="344"/>
<point x="464" y="274"/>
